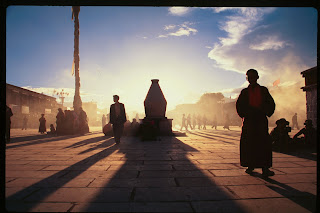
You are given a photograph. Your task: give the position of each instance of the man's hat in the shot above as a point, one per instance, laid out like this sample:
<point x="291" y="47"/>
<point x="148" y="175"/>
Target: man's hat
<point x="282" y="120"/>
<point x="308" y="122"/>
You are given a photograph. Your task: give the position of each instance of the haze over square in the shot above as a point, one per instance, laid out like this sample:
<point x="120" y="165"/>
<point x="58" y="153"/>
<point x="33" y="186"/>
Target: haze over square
<point x="191" y="50"/>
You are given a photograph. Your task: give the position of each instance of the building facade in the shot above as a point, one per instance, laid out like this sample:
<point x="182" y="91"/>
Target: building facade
<point x="29" y="104"/>
<point x="310" y="88"/>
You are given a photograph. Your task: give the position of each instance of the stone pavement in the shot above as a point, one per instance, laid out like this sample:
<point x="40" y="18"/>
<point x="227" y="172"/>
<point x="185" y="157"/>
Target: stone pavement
<point x="199" y="172"/>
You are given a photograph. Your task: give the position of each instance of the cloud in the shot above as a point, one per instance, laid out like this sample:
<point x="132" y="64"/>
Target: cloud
<point x="269" y="43"/>
<point x="179" y="11"/>
<point x="184" y="30"/>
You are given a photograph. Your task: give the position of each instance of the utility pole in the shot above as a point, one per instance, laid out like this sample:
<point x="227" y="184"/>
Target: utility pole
<point x="77" y="103"/>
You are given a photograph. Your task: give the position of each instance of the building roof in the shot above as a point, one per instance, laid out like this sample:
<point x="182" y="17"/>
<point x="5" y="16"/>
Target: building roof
<point x="313" y="69"/>
<point x="26" y="90"/>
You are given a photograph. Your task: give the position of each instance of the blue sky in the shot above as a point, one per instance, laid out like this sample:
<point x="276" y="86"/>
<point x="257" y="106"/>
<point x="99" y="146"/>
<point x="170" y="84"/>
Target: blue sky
<point x="191" y="50"/>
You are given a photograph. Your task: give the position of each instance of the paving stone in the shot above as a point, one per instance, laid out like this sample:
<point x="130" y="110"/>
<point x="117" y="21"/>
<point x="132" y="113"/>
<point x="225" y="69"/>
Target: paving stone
<point x="205" y="166"/>
<point x="307" y="163"/>
<point x="196" y="173"/>
<point x="286" y="164"/>
<point x="81" y="195"/>
<point x="294" y="178"/>
<point x="300" y="170"/>
<point x="42" y="174"/>
<point x="19" y="193"/>
<point x="102" y="207"/>
<point x="254" y="191"/>
<point x="182" y="194"/>
<point x="162" y="207"/>
<point x="275" y="205"/>
<point x="37" y="207"/>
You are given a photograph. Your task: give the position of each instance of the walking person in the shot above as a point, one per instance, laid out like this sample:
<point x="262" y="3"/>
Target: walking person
<point x="227" y="122"/>
<point x="204" y="121"/>
<point x="117" y="118"/>
<point x="254" y="104"/>
<point x="199" y="121"/>
<point x="183" y="123"/>
<point x="42" y="126"/>
<point x="189" y="121"/>
<point x="24" y="123"/>
<point x="9" y="114"/>
<point x="194" y="121"/>
<point x="214" y="122"/>
<point x="295" y="121"/>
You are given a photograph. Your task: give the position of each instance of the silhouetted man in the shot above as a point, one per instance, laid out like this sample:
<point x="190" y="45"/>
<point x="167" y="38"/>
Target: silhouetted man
<point x="8" y="123"/>
<point x="226" y="122"/>
<point x="295" y="121"/>
<point x="60" y="122"/>
<point x="280" y="136"/>
<point x="254" y="104"/>
<point x="42" y="126"/>
<point x="117" y="118"/>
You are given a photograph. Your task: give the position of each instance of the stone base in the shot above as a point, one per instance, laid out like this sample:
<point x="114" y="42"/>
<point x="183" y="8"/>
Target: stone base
<point x="162" y="125"/>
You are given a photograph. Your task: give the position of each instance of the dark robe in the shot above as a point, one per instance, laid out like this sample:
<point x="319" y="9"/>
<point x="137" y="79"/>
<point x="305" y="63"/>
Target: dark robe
<point x="42" y="126"/>
<point x="60" y="122"/>
<point x="255" y="141"/>
<point x="117" y="121"/>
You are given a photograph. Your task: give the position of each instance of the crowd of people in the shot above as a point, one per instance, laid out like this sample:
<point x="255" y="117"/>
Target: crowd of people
<point x="201" y="122"/>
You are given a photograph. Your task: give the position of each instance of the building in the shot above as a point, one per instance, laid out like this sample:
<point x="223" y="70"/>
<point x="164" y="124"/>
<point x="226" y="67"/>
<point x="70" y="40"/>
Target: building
<point x="24" y="102"/>
<point x="310" y="88"/>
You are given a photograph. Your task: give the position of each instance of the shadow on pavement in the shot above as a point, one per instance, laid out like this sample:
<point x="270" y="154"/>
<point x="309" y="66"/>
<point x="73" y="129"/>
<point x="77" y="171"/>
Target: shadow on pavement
<point x="49" y="185"/>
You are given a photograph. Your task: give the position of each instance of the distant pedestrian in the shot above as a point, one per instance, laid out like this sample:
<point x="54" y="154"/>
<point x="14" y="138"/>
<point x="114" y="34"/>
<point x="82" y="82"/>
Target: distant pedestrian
<point x="183" y="123"/>
<point x="24" y="123"/>
<point x="194" y="121"/>
<point x="214" y="124"/>
<point x="189" y="121"/>
<point x="117" y="118"/>
<point x="226" y="122"/>
<point x="204" y="121"/>
<point x="60" y="122"/>
<point x="9" y="114"/>
<point x="295" y="121"/>
<point x="42" y="126"/>
<point x="199" y="121"/>
<point x="254" y="104"/>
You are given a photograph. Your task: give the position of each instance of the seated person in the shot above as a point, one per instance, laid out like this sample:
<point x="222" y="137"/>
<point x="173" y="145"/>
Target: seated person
<point x="310" y="135"/>
<point x="280" y="137"/>
<point x="52" y="130"/>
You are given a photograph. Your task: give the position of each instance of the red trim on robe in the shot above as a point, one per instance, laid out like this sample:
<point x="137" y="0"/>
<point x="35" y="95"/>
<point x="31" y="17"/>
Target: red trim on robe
<point x="255" y="98"/>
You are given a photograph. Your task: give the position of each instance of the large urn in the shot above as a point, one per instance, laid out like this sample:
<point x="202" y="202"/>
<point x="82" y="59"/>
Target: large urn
<point x="155" y="123"/>
<point x="155" y="103"/>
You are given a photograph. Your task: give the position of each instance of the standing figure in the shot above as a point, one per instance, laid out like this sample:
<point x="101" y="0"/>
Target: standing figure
<point x="117" y="118"/>
<point x="204" y="121"/>
<point x="295" y="121"/>
<point x="226" y="122"/>
<point x="199" y="121"/>
<point x="254" y="104"/>
<point x="60" y="122"/>
<point x="214" y="122"/>
<point x="8" y="123"/>
<point x="24" y="123"/>
<point x="183" y="123"/>
<point x="42" y="126"/>
<point x="194" y="121"/>
<point x="189" y="121"/>
<point x="104" y="120"/>
<point x="83" y="121"/>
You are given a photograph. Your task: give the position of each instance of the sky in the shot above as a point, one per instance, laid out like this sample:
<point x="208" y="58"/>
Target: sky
<point x="190" y="50"/>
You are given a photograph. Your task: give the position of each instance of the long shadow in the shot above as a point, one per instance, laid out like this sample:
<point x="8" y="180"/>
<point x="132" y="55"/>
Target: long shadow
<point x="219" y="136"/>
<point x="44" y="139"/>
<point x="214" y="138"/>
<point x="157" y="172"/>
<point x="87" y="141"/>
<point x="303" y="199"/>
<point x="62" y="177"/>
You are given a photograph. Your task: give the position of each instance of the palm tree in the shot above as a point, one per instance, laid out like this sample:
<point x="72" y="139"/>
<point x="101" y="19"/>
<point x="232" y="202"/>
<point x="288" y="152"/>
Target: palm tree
<point x="77" y="103"/>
